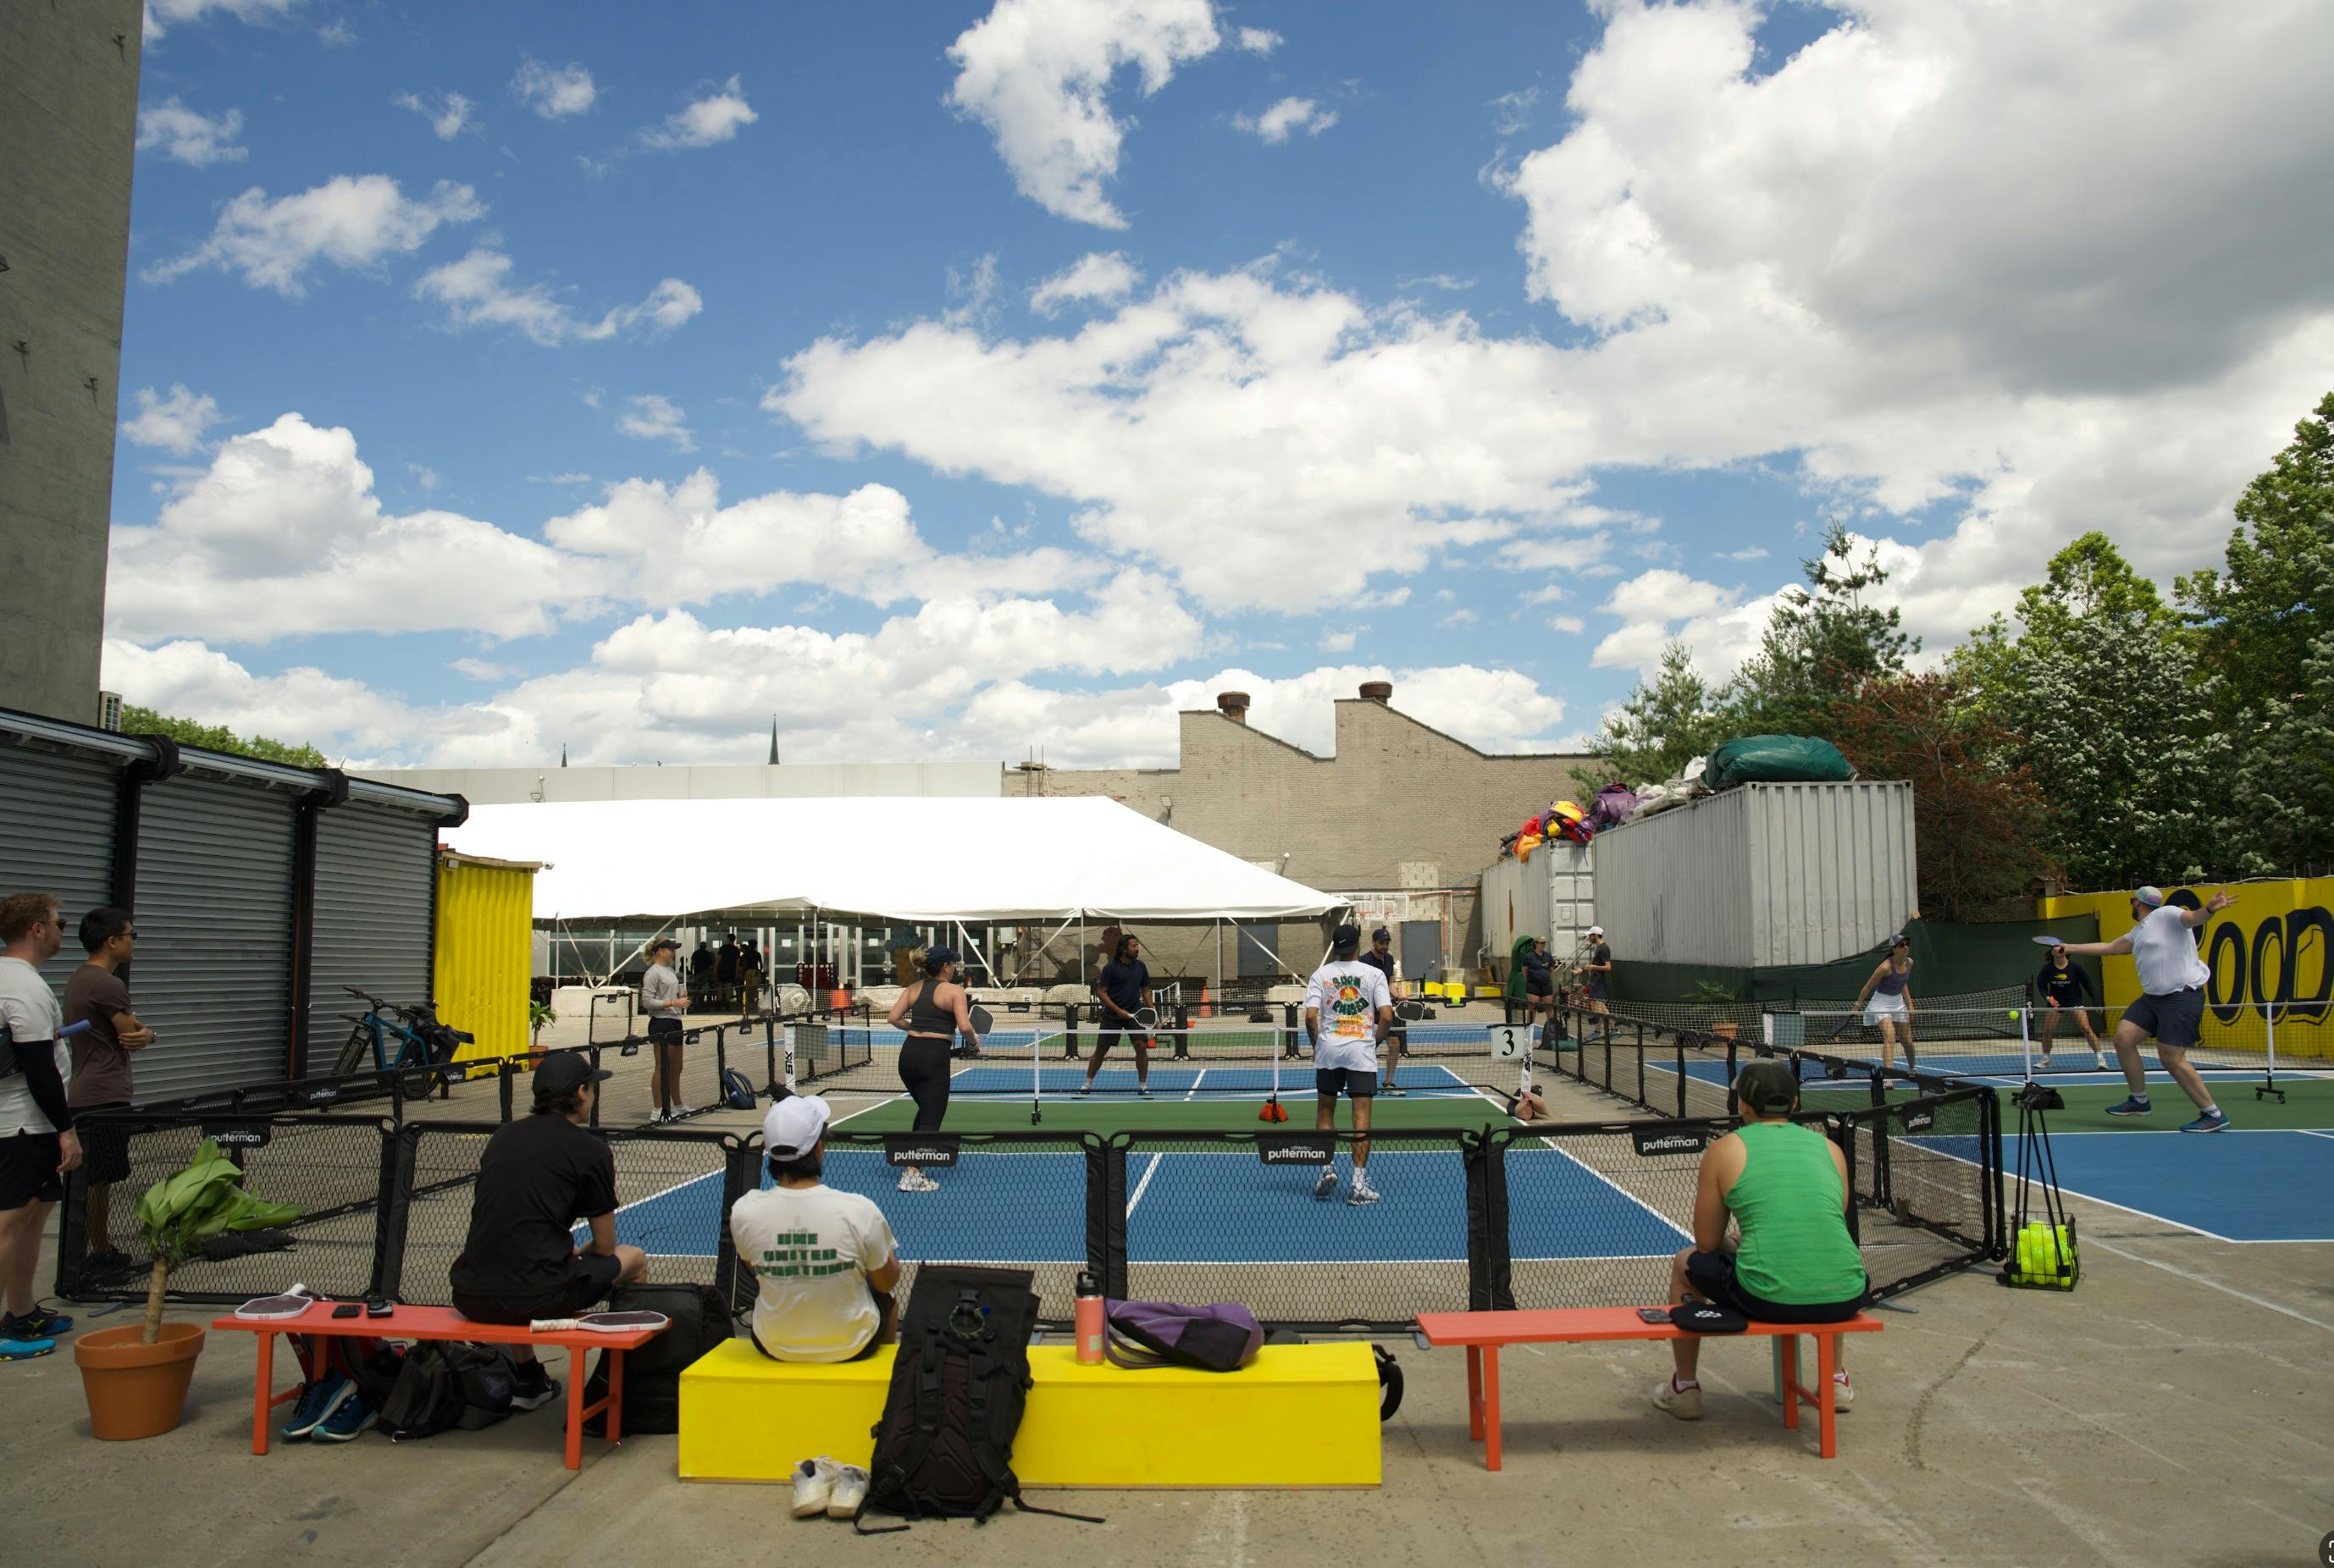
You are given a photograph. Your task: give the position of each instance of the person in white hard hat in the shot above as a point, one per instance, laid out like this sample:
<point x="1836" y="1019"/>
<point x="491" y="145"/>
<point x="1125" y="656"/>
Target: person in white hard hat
<point x="825" y="1261"/>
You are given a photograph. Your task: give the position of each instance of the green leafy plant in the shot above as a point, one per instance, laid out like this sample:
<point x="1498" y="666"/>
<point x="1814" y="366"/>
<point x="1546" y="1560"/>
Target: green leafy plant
<point x="1710" y="994"/>
<point x="539" y="1016"/>
<point x="180" y="1214"/>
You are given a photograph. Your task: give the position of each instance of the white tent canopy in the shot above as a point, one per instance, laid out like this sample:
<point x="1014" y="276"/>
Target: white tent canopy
<point x="917" y="860"/>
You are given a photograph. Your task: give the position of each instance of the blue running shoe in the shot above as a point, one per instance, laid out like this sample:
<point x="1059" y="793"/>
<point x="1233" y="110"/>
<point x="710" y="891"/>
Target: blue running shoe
<point x="25" y="1350"/>
<point x="2133" y="1105"/>
<point x="2210" y="1121"/>
<point x="342" y="1425"/>
<point x="40" y="1324"/>
<point x="318" y="1400"/>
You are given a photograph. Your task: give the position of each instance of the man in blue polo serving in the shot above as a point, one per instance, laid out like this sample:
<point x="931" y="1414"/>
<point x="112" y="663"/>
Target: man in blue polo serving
<point x="1348" y="1011"/>
<point x="2161" y="943"/>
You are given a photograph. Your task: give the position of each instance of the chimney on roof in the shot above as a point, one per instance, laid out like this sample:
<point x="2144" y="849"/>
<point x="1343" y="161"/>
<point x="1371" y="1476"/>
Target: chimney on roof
<point x="1233" y="705"/>
<point x="1377" y="691"/>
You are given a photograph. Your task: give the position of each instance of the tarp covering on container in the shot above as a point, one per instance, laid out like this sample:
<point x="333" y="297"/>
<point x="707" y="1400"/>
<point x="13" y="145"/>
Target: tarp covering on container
<point x="1776" y="759"/>
<point x="965" y="859"/>
<point x="1949" y="958"/>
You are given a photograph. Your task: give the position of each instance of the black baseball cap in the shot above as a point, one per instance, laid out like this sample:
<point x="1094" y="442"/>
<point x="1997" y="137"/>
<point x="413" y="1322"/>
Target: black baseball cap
<point x="1346" y="940"/>
<point x="1381" y="935"/>
<point x="1768" y="1086"/>
<point x="564" y="1073"/>
<point x="663" y="942"/>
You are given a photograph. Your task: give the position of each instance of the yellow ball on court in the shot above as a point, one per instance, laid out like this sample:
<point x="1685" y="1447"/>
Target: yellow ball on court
<point x="2013" y="1012"/>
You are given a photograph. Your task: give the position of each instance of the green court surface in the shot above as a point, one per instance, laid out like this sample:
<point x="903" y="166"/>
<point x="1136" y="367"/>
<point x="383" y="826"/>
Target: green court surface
<point x="2308" y="1104"/>
<point x="1112" y="1114"/>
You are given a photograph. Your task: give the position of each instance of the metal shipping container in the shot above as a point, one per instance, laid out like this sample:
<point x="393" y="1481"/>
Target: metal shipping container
<point x="1551" y="895"/>
<point x="1762" y="876"/>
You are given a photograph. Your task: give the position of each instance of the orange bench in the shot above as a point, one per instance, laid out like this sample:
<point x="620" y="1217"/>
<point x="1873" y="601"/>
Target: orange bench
<point x="428" y="1322"/>
<point x="1484" y="1332"/>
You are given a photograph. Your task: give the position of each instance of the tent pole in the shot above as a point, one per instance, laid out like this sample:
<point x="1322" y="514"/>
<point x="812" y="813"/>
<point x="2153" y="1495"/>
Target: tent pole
<point x="966" y="938"/>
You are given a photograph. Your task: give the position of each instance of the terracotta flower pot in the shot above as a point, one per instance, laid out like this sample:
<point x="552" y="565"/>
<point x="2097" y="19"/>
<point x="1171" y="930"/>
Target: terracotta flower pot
<point x="1724" y="1028"/>
<point x="137" y="1391"/>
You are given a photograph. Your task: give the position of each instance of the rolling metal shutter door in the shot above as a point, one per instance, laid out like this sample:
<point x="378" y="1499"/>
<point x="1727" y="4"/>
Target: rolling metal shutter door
<point x="376" y="869"/>
<point x="56" y="836"/>
<point x="214" y="907"/>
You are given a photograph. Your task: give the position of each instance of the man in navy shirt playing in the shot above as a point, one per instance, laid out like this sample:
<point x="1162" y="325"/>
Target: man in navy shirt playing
<point x="1124" y="987"/>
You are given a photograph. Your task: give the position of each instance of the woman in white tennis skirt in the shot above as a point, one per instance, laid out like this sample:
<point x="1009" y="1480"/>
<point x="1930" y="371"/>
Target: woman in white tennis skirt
<point x="1887" y="1001"/>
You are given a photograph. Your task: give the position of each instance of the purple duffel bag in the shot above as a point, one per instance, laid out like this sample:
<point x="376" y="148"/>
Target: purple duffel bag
<point x="1220" y="1338"/>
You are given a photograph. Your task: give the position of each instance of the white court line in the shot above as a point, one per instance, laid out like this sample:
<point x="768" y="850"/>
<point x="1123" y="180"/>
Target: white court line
<point x="1194" y="1089"/>
<point x="1599" y="1176"/>
<point x="1149" y="1171"/>
<point x="2010" y="1176"/>
<point x="2305" y="1131"/>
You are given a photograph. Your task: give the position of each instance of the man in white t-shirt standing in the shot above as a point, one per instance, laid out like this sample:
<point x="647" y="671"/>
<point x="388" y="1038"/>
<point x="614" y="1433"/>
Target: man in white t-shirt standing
<point x="1348" y="1011"/>
<point x="2161" y="943"/>
<point x="37" y="1143"/>
<point x="826" y="1261"/>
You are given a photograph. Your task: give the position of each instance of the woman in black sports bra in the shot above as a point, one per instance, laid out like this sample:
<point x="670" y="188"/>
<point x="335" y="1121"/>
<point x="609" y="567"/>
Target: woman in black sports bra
<point x="933" y="1014"/>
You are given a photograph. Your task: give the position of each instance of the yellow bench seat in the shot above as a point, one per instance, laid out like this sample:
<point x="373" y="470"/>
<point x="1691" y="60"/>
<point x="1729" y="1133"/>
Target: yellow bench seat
<point x="1298" y="1415"/>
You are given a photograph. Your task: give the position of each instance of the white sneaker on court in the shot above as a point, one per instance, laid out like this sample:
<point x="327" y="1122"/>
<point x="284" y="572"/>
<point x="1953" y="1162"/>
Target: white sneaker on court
<point x="1842" y="1395"/>
<point x="1684" y="1403"/>
<point x="2101" y="1065"/>
<point x="1328" y="1185"/>
<point x="914" y="1180"/>
<point x="1362" y="1193"/>
<point x="850" y="1491"/>
<point x="814" y="1485"/>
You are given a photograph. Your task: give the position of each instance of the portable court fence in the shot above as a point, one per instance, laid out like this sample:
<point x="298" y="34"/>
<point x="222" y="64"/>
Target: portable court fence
<point x="1468" y="1218"/>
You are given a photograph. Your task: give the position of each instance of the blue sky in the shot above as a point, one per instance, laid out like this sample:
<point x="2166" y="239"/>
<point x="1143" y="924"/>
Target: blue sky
<point x="960" y="379"/>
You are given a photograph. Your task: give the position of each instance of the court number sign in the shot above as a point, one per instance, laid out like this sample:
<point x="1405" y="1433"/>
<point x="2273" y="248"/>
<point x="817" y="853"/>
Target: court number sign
<point x="1509" y="1040"/>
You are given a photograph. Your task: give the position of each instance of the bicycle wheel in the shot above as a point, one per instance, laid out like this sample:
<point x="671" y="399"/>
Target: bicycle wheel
<point x="353" y="1054"/>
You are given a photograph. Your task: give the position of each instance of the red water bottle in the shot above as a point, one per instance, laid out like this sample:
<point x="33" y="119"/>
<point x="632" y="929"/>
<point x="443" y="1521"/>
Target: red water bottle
<point x="1089" y="1321"/>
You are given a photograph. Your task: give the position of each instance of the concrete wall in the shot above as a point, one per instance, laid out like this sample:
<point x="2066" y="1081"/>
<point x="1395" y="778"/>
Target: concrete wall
<point x="68" y="137"/>
<point x="486" y="786"/>
<point x="1399" y="805"/>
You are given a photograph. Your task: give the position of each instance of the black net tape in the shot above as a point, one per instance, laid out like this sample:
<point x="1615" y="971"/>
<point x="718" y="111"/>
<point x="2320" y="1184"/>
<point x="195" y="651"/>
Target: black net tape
<point x="671" y="1202"/>
<point x="1013" y="1200"/>
<point x="1232" y="1217"/>
<point x="329" y="1168"/>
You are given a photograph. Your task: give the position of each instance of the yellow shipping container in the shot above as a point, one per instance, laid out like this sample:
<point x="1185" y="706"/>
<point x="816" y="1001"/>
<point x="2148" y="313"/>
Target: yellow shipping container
<point x="485" y="951"/>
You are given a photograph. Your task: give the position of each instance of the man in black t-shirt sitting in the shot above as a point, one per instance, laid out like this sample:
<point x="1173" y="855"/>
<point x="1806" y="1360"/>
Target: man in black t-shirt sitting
<point x="539" y="1176"/>
<point x="1124" y="986"/>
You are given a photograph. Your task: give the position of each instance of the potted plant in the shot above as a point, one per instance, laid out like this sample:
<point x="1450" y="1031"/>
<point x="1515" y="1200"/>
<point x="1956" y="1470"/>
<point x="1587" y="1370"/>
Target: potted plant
<point x="538" y="1016"/>
<point x="1708" y="994"/>
<point x="135" y="1377"/>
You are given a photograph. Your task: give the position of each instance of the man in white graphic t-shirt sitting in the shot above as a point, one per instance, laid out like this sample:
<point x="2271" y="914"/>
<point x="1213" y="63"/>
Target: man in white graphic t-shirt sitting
<point x="825" y="1260"/>
<point x="1348" y="1011"/>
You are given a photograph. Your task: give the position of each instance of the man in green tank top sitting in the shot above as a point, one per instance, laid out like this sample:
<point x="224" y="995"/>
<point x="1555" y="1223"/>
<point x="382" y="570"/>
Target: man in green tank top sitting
<point x="1785" y="1189"/>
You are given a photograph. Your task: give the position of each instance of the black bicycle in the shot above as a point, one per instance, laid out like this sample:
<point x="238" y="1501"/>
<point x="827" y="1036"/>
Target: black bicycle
<point x="401" y="1040"/>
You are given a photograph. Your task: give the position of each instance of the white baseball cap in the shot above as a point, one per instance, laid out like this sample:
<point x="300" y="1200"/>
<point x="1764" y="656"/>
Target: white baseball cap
<point x="1596" y="930"/>
<point x="794" y="1127"/>
<point x="2152" y="897"/>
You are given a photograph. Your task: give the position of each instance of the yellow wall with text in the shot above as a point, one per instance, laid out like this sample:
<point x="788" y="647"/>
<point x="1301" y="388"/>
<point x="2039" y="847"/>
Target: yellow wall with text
<point x="2275" y="944"/>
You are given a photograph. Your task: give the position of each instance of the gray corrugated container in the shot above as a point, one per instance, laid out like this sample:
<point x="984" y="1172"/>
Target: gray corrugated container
<point x="1762" y="875"/>
<point x="1551" y="895"/>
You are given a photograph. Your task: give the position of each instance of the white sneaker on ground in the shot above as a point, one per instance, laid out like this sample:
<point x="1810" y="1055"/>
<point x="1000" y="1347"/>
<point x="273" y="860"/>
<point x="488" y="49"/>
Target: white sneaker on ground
<point x="680" y="1110"/>
<point x="1684" y="1403"/>
<point x="850" y="1491"/>
<point x="1842" y="1395"/>
<point x="655" y="1117"/>
<point x="2044" y="1064"/>
<point x="815" y="1486"/>
<point x="914" y="1180"/>
<point x="1362" y="1193"/>
<point x="2101" y="1064"/>
<point x="1328" y="1185"/>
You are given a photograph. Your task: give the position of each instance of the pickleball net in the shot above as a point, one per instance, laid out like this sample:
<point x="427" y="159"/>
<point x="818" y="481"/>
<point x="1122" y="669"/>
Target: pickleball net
<point x="2010" y="1040"/>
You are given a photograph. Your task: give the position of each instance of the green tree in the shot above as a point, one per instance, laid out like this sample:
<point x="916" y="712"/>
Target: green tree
<point x="1663" y="725"/>
<point x="1978" y="824"/>
<point x="1822" y="640"/>
<point x="2284" y="798"/>
<point x="2260" y="620"/>
<point x="218" y="737"/>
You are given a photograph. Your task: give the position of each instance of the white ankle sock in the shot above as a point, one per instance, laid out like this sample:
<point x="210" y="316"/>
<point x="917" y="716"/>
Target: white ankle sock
<point x="1677" y="1386"/>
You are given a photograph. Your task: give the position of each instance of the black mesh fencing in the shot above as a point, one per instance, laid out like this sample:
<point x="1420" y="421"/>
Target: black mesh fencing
<point x="1665" y="1070"/>
<point x="1034" y="1200"/>
<point x="672" y="1202"/>
<point x="1242" y="1217"/>
<point x="612" y="1020"/>
<point x="331" y="1169"/>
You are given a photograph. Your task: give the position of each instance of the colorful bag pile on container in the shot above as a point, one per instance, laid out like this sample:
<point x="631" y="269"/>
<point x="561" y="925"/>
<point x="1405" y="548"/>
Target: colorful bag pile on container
<point x="1564" y="819"/>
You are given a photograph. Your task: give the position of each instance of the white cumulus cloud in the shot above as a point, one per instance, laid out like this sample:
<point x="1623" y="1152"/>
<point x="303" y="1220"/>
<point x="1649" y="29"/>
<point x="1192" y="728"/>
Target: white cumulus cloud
<point x="1038" y="74"/>
<point x="448" y="116"/>
<point x="353" y="221"/>
<point x="161" y="15"/>
<point x="476" y="292"/>
<point x="656" y="417"/>
<point x="175" y="423"/>
<point x="1102" y="276"/>
<point x="554" y="91"/>
<point x="1261" y="39"/>
<point x="1291" y="115"/>
<point x="716" y="117"/>
<point x="186" y="135"/>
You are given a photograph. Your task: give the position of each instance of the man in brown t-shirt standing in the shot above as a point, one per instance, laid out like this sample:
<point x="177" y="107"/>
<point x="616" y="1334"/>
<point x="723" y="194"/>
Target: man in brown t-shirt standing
<point x="100" y="1068"/>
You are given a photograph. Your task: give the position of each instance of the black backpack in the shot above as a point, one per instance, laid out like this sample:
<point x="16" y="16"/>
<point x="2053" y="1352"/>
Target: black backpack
<point x="737" y="1090"/>
<point x="700" y="1324"/>
<point x="444" y="1383"/>
<point x="944" y="1443"/>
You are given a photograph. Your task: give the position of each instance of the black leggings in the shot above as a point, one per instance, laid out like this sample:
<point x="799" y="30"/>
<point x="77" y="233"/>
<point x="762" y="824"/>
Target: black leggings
<point x="924" y="1071"/>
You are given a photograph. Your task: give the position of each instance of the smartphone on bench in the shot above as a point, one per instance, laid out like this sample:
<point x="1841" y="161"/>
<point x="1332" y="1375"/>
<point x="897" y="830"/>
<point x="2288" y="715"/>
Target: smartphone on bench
<point x="1653" y="1314"/>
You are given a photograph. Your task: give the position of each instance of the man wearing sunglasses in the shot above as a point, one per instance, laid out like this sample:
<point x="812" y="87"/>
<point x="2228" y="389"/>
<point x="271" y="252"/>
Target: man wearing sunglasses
<point x="98" y="995"/>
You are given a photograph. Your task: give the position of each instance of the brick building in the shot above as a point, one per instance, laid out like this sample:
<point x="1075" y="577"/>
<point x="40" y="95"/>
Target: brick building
<point x="1403" y="816"/>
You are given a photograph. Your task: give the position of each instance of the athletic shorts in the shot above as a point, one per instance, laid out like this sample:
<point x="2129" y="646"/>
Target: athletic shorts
<point x="665" y="1031"/>
<point x="2175" y="1018"/>
<point x="1352" y="1082"/>
<point x="104" y="1144"/>
<point x="1539" y="993"/>
<point x="1598" y="987"/>
<point x="1107" y="1038"/>
<point x="28" y="1169"/>
<point x="593" y="1278"/>
<point x="1711" y="1276"/>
